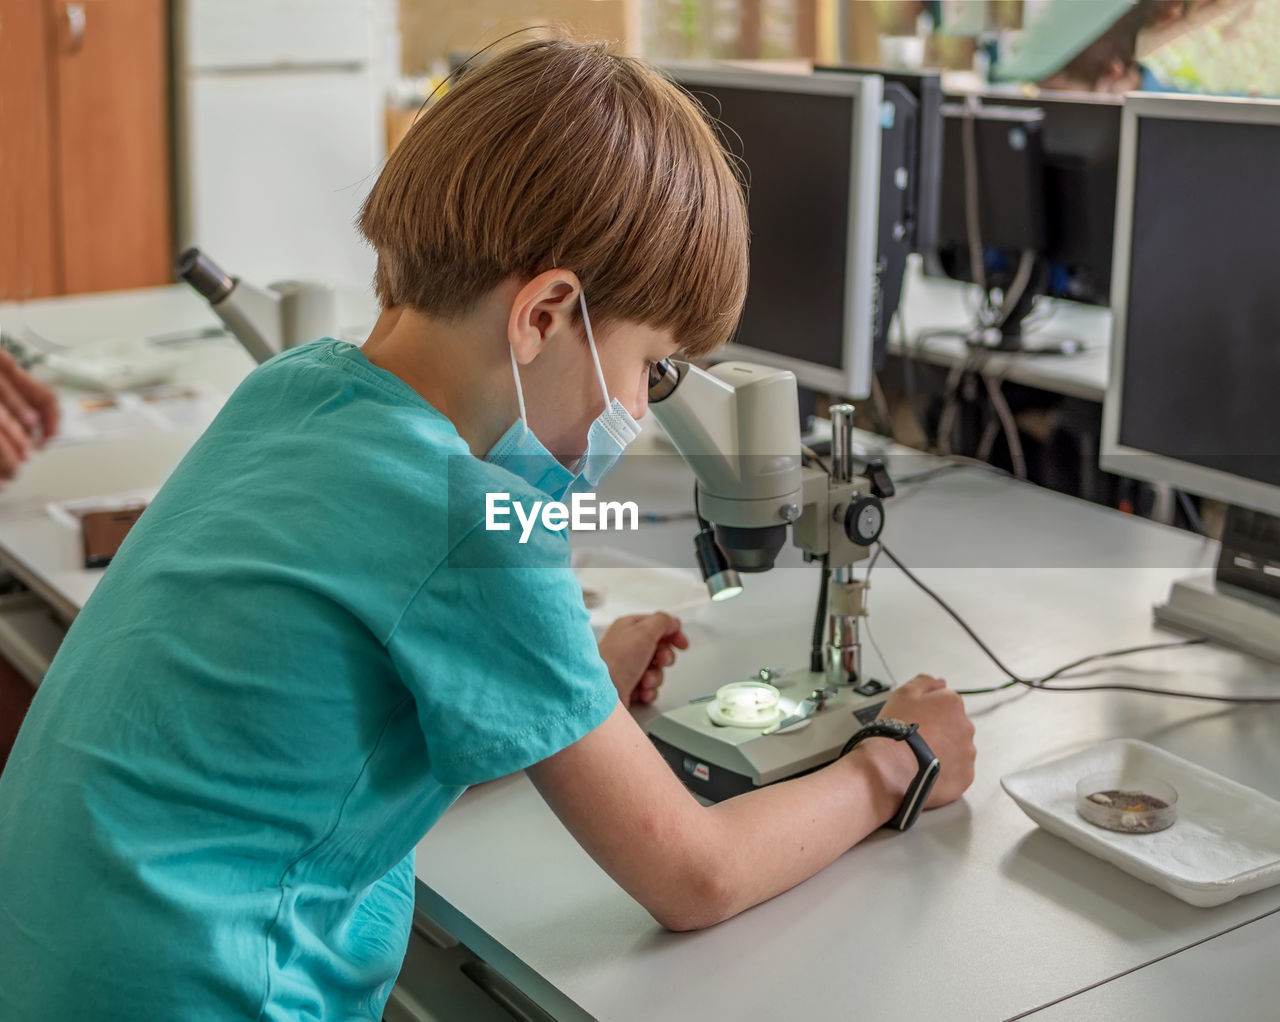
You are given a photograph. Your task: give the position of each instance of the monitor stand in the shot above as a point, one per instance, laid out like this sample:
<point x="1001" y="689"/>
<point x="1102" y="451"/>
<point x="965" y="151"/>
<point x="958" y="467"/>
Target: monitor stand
<point x="1009" y="336"/>
<point x="1240" y="604"/>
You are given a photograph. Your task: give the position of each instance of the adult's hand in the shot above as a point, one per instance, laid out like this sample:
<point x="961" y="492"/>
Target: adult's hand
<point x="28" y="415"/>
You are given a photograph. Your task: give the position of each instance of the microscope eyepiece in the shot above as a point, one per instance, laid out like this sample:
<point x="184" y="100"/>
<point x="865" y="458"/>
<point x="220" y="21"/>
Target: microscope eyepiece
<point x="203" y="274"/>
<point x="663" y="378"/>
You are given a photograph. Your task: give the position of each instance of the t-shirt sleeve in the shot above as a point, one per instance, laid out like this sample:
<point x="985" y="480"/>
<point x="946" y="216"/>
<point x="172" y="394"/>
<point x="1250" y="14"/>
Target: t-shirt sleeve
<point x="497" y="649"/>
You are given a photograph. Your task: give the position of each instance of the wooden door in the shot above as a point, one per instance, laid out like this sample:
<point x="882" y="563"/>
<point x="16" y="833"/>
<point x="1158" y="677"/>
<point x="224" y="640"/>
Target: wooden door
<point x="30" y="263"/>
<point x="111" y="88"/>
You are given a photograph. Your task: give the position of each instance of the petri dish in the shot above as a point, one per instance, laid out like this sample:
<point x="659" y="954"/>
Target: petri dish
<point x="749" y="704"/>
<point x="1127" y="802"/>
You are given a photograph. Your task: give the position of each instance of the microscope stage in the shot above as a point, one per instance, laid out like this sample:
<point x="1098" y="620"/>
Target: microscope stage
<point x="718" y="762"/>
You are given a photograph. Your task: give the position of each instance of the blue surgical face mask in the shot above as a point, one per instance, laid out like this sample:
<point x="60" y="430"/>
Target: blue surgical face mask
<point x="522" y="453"/>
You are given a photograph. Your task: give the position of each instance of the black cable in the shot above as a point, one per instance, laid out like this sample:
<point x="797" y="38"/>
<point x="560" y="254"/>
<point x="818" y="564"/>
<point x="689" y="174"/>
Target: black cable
<point x="820" y="619"/>
<point x="926" y="474"/>
<point x="954" y="616"/>
<point x="951" y="462"/>
<point x="874" y="557"/>
<point x="815" y="457"/>
<point x="1038" y="684"/>
<point x="1208" y="697"/>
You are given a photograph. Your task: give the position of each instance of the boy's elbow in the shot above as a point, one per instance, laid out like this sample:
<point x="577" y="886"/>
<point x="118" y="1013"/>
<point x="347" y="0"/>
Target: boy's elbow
<point x="702" y="898"/>
<point x="692" y="886"/>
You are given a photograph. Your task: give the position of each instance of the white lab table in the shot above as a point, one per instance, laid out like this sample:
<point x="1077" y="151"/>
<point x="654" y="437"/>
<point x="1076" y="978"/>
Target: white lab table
<point x="932" y="303"/>
<point x="44" y="554"/>
<point x="1232" y="976"/>
<point x="974" y="914"/>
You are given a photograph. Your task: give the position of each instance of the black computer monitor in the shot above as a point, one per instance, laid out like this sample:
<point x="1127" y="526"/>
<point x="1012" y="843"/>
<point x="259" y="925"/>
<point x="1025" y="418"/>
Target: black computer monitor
<point x="1195" y="360"/>
<point x="925" y="161"/>
<point x="1080" y="142"/>
<point x="1196" y="365"/>
<point x="810" y="150"/>
<point x="1008" y="171"/>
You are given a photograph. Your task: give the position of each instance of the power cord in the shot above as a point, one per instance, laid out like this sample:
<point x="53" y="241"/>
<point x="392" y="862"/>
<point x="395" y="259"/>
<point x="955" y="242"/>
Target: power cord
<point x="1039" y="684"/>
<point x="1005" y="414"/>
<point x="815" y="457"/>
<point x="950" y="463"/>
<point x="972" y="221"/>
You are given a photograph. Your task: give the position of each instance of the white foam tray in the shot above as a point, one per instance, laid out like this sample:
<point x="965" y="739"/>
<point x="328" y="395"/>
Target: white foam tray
<point x="634" y="585"/>
<point x="1225" y="842"/>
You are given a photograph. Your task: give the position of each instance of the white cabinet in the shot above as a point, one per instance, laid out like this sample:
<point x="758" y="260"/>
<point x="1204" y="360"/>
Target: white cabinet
<point x="281" y="136"/>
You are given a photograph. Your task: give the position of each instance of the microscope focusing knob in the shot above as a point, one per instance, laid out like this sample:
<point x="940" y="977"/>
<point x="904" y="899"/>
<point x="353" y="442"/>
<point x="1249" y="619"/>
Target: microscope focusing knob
<point x="881" y="483"/>
<point x="864" y="520"/>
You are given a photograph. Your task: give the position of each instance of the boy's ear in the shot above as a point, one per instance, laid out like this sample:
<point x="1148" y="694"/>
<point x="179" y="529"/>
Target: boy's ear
<point x="542" y="309"/>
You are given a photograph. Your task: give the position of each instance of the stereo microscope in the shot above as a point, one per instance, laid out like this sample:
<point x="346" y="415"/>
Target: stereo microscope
<point x="737" y="426"/>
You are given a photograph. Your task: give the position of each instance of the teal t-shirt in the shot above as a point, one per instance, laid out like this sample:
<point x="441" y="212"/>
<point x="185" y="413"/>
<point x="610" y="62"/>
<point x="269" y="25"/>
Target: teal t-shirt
<point x="306" y="649"/>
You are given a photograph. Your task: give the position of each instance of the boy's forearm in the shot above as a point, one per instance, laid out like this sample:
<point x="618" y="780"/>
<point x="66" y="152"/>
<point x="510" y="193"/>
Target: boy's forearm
<point x="772" y="839"/>
<point x="691" y="866"/>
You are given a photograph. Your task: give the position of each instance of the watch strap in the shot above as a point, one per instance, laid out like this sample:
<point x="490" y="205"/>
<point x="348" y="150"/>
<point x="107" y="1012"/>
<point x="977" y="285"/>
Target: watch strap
<point x="918" y="791"/>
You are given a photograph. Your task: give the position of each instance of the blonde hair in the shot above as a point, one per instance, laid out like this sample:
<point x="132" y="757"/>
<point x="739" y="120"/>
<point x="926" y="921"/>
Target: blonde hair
<point x="557" y="154"/>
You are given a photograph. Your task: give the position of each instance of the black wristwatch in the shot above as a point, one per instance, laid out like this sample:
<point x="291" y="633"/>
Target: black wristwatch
<point x="918" y="793"/>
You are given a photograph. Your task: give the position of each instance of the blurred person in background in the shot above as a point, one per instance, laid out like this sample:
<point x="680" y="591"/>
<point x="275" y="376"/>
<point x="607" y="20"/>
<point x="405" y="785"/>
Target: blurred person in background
<point x="28" y="415"/>
<point x="1091" y="45"/>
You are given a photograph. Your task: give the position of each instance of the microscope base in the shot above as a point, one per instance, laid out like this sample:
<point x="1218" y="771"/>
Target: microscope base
<point x="718" y="762"/>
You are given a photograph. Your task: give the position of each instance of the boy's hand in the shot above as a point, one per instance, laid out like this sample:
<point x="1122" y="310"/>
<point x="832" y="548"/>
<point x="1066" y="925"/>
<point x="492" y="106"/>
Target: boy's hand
<point x="637" y="649"/>
<point x="944" y="725"/>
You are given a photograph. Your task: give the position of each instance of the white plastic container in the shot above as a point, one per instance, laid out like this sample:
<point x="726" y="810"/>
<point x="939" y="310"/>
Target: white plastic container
<point x="1224" y="843"/>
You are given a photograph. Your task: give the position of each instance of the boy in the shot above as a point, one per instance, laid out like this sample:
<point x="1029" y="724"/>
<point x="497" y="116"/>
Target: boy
<point x="309" y="645"/>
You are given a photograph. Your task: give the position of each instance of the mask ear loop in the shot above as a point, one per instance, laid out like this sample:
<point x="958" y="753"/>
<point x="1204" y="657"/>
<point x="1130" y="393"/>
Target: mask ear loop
<point x="591" y="341"/>
<point x="515" y="371"/>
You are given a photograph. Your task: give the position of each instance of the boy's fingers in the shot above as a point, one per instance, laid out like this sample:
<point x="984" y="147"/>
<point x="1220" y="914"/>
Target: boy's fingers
<point x="660" y="625"/>
<point x="927" y="683"/>
<point x="665" y="657"/>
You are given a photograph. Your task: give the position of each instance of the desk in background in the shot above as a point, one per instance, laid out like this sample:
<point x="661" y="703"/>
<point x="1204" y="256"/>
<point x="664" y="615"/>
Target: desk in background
<point x="1057" y="398"/>
<point x="933" y="303"/>
<point x="45" y="556"/>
